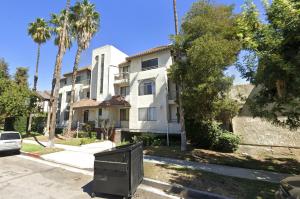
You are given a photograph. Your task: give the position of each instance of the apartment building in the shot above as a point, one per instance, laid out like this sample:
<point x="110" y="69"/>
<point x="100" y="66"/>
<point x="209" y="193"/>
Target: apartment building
<point x="133" y="92"/>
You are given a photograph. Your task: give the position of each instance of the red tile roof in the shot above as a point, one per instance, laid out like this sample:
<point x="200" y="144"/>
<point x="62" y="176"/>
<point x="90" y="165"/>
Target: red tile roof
<point x="86" y="103"/>
<point x="150" y="51"/>
<point x="116" y="100"/>
<point x="87" y="68"/>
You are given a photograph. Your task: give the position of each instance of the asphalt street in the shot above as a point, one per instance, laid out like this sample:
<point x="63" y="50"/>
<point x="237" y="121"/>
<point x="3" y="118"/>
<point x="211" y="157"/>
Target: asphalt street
<point x="25" y="178"/>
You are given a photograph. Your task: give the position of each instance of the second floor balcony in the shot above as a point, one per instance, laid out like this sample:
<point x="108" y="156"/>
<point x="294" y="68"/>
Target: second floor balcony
<point x="122" y="78"/>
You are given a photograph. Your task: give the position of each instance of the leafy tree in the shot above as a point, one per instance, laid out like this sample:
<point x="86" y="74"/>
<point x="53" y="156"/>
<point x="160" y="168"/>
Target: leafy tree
<point x="3" y="69"/>
<point x="273" y="59"/>
<point x="14" y="99"/>
<point x="85" y="22"/>
<point x="21" y="76"/>
<point x="206" y="46"/>
<point x="40" y="33"/>
<point x="61" y="29"/>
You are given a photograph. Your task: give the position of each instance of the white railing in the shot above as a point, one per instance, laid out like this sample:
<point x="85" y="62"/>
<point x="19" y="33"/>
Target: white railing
<point x="122" y="76"/>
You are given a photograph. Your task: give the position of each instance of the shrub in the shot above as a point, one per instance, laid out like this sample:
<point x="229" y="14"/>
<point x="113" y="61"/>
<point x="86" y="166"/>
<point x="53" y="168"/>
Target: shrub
<point x="20" y="124"/>
<point x="210" y="135"/>
<point x="148" y="139"/>
<point x="86" y="141"/>
<point x="203" y="134"/>
<point x="227" y="142"/>
<point x="82" y="134"/>
<point x="38" y="124"/>
<point x="59" y="130"/>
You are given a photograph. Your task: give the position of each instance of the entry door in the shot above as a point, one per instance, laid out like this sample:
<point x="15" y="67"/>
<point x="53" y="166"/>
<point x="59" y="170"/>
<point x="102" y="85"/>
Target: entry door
<point x="86" y="116"/>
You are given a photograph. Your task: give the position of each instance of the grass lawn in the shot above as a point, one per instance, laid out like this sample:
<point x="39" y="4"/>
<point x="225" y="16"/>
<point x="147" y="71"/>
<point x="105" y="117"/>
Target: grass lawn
<point x="210" y="182"/>
<point x="271" y="159"/>
<point x="37" y="149"/>
<point x="67" y="141"/>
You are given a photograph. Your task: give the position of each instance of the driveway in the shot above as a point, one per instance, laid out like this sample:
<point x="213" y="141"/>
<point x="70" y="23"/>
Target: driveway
<point x="24" y="177"/>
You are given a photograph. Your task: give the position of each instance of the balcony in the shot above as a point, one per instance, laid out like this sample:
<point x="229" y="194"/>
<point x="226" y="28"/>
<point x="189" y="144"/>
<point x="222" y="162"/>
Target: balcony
<point x="122" y="79"/>
<point x="84" y="82"/>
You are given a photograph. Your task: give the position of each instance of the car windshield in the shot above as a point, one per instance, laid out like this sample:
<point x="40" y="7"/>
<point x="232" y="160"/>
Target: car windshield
<point x="9" y="136"/>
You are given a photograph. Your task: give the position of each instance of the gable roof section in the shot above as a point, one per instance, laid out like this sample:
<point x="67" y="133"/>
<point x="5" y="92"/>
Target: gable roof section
<point x="86" y="68"/>
<point x="150" y="51"/>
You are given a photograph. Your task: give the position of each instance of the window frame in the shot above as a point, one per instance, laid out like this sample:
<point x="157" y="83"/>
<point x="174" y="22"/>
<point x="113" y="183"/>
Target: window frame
<point x="148" y="116"/>
<point x="124" y="115"/>
<point x="143" y="87"/>
<point x="149" y="65"/>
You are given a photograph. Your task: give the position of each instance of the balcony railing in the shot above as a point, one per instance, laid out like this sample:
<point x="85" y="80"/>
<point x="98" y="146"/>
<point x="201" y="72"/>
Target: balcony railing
<point x="122" y="78"/>
<point x="84" y="82"/>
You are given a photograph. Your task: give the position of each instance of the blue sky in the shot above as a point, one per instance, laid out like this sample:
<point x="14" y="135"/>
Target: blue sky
<point x="130" y="25"/>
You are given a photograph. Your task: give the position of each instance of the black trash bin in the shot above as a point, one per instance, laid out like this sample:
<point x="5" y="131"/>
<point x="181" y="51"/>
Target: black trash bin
<point x="119" y="171"/>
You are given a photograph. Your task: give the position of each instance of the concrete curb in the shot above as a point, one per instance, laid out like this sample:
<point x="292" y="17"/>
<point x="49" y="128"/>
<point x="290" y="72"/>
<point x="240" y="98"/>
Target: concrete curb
<point x="183" y="191"/>
<point x="33" y="155"/>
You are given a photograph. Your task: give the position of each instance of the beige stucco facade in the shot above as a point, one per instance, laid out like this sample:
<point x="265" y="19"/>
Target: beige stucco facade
<point x="106" y="79"/>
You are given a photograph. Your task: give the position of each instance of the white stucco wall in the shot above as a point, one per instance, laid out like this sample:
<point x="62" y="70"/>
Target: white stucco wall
<point x="158" y="100"/>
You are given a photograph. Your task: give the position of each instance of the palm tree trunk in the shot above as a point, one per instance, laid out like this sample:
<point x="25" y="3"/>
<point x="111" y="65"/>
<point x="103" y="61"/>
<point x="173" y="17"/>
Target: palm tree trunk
<point x="34" y="84"/>
<point x="46" y="130"/>
<point x="175" y="16"/>
<point x="37" y="68"/>
<point x="56" y="80"/>
<point x="75" y="68"/>
<point x="181" y="109"/>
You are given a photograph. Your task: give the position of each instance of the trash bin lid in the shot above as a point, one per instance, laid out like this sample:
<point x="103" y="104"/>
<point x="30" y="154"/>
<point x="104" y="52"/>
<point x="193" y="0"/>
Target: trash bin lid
<point x="119" y="149"/>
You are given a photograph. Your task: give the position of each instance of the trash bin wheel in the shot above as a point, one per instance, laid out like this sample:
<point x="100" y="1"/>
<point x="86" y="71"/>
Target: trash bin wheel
<point x="93" y="195"/>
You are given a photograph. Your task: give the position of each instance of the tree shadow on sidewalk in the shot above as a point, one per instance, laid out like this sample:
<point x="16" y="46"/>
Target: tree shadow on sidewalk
<point x="214" y="183"/>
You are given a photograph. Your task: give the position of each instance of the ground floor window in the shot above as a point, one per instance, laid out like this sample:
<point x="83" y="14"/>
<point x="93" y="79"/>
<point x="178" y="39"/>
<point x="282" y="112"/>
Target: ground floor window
<point x="147" y="114"/>
<point x="124" y="114"/>
<point x="86" y="116"/>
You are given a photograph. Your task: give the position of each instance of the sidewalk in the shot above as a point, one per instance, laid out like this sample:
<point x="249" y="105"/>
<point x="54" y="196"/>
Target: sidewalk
<point x="250" y="174"/>
<point x="76" y="156"/>
<point x="83" y="157"/>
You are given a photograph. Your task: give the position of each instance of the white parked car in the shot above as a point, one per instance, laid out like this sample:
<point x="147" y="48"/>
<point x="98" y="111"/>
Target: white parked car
<point x="10" y="141"/>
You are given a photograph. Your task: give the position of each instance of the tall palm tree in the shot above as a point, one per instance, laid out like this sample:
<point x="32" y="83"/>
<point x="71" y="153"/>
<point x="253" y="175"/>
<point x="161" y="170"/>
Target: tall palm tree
<point x="40" y="33"/>
<point x="57" y="20"/>
<point x="181" y="110"/>
<point x="85" y="23"/>
<point x="62" y="40"/>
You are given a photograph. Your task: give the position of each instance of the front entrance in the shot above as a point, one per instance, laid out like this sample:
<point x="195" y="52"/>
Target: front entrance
<point x="86" y="116"/>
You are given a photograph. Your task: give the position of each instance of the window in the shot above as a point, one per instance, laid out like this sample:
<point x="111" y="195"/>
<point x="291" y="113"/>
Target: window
<point x="173" y="113"/>
<point x="147" y="114"/>
<point x="86" y="116"/>
<point x="10" y="136"/>
<point x="124" y="91"/>
<point x="59" y="102"/>
<point x="147" y="87"/>
<point x="150" y="64"/>
<point x="66" y="113"/>
<point x="78" y="79"/>
<point x="100" y="112"/>
<point x="124" y="115"/>
<point x="125" y="69"/>
<point x="102" y="73"/>
<point x="68" y="96"/>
